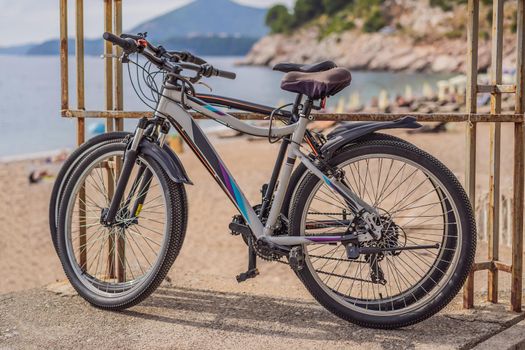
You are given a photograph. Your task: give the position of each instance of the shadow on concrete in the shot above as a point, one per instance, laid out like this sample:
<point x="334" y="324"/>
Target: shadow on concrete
<point x="299" y="319"/>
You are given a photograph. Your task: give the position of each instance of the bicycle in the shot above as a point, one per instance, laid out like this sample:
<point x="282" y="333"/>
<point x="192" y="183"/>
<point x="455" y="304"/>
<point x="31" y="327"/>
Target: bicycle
<point x="380" y="232"/>
<point x="98" y="141"/>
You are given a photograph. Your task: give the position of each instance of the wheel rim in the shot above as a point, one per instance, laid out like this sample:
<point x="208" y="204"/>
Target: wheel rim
<point x="413" y="277"/>
<point x="121" y="258"/>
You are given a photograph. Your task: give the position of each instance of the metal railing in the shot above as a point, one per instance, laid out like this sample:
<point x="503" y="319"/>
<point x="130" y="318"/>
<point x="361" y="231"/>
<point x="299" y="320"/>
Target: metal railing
<point x="115" y="115"/>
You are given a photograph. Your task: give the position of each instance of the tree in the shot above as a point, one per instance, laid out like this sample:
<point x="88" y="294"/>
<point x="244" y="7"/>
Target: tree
<point x="332" y="6"/>
<point x="374" y="21"/>
<point x="279" y="19"/>
<point x="306" y="10"/>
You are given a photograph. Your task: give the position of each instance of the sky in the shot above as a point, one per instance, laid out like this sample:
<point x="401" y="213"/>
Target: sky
<point x="30" y="21"/>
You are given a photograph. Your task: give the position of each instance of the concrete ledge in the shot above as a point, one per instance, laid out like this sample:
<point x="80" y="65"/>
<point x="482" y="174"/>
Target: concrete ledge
<point x="512" y="338"/>
<point x="193" y="316"/>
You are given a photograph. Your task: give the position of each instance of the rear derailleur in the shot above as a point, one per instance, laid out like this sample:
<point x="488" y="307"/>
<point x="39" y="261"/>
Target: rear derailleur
<point x="374" y="247"/>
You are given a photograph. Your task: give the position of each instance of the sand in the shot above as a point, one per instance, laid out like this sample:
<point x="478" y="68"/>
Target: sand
<point x="27" y="258"/>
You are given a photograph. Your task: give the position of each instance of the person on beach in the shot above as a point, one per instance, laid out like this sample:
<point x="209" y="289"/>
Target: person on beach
<point x="36" y="176"/>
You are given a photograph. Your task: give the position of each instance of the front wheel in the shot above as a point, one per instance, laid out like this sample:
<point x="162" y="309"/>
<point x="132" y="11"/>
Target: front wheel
<point x="67" y="168"/>
<point x="117" y="266"/>
<point x="419" y="203"/>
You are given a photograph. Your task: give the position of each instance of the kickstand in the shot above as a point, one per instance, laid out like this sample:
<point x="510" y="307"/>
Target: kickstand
<point x="252" y="266"/>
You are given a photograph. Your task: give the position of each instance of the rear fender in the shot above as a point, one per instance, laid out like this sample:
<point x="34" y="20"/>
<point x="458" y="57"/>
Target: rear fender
<point x="301" y="170"/>
<point x="350" y="132"/>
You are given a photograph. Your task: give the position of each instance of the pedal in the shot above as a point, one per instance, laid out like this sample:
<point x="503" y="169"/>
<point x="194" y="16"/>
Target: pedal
<point x="296" y="258"/>
<point x="239" y="227"/>
<point x="252" y="266"/>
<point x="252" y="273"/>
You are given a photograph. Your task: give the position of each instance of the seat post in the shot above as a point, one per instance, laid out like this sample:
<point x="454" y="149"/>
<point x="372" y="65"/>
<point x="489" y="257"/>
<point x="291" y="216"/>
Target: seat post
<point x="295" y="108"/>
<point x="307" y="108"/>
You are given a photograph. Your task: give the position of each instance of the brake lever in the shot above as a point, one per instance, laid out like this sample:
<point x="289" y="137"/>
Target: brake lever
<point x="106" y="55"/>
<point x="124" y="58"/>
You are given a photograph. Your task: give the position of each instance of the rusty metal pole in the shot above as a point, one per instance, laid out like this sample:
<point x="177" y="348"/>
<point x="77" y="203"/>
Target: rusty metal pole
<point x="64" y="56"/>
<point x="495" y="149"/>
<point x="108" y="63"/>
<point x="471" y="100"/>
<point x="79" y="47"/>
<point x="119" y="126"/>
<point x="79" y="42"/>
<point x="519" y="170"/>
<point x="119" y="84"/>
<point x="108" y="87"/>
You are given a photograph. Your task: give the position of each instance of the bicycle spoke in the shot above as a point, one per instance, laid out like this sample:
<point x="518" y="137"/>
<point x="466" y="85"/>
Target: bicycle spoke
<point x="418" y="212"/>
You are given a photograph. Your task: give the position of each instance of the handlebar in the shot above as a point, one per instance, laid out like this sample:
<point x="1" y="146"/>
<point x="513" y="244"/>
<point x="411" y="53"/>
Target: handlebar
<point x="132" y="43"/>
<point x="227" y="75"/>
<point x="210" y="71"/>
<point x="188" y="57"/>
<point x="127" y="44"/>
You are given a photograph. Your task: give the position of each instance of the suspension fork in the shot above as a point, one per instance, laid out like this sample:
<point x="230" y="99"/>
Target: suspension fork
<point x="147" y="175"/>
<point x="130" y="156"/>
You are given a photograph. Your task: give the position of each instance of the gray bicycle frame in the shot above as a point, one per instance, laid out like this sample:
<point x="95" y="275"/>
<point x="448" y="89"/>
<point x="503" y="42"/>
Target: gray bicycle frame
<point x="170" y="105"/>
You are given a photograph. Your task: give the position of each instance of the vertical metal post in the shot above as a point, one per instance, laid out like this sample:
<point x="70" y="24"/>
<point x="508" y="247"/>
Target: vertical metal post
<point x="519" y="171"/>
<point x="64" y="56"/>
<point x="108" y="85"/>
<point x="471" y="94"/>
<point x="495" y="149"/>
<point x="119" y="126"/>
<point x="118" y="92"/>
<point x="79" y="47"/>
<point x="108" y="64"/>
<point x="79" y="42"/>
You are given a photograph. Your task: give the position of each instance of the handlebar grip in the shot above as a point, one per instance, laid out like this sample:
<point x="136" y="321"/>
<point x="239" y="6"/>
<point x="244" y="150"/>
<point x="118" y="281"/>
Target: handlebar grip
<point x="190" y="58"/>
<point x="226" y="74"/>
<point x="128" y="45"/>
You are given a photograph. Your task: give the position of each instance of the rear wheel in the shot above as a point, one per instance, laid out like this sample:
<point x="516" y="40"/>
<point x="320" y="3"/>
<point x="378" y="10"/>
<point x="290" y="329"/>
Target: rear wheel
<point x="420" y="203"/>
<point x="117" y="266"/>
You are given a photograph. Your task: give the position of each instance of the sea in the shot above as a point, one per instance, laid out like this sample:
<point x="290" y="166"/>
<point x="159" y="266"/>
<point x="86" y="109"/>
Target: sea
<point x="30" y="120"/>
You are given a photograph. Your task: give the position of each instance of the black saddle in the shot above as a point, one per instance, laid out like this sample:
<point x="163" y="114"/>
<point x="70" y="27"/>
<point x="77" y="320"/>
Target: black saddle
<point x="305" y="68"/>
<point x="317" y="85"/>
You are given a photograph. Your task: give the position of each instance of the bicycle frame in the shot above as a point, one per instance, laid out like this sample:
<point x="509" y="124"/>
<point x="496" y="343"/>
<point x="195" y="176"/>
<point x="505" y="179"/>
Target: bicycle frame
<point x="169" y="106"/>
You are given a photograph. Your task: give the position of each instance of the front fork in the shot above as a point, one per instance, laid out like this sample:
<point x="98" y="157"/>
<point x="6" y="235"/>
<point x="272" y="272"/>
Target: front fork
<point x="130" y="157"/>
<point x="147" y="175"/>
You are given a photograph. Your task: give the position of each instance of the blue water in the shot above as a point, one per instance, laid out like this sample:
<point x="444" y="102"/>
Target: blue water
<point x="30" y="96"/>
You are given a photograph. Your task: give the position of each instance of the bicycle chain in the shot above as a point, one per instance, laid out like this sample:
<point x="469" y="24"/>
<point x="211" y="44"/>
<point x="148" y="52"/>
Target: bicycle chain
<point x="266" y="255"/>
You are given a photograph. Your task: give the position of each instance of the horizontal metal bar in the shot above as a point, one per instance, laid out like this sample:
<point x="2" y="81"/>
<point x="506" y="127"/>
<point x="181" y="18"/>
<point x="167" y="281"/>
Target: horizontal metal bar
<point x="492" y="265"/>
<point x="499" y="88"/>
<point x="501" y="266"/>
<point x="432" y="117"/>
<point x="480" y="266"/>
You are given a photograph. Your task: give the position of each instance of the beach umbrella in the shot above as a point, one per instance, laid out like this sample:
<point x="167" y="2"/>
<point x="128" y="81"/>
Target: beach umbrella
<point x="96" y="129"/>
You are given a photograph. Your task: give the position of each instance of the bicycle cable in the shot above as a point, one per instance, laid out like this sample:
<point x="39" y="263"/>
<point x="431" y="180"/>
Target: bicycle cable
<point x="277" y="139"/>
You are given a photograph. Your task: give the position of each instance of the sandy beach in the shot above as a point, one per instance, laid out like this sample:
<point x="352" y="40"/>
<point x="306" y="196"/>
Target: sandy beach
<point x="27" y="258"/>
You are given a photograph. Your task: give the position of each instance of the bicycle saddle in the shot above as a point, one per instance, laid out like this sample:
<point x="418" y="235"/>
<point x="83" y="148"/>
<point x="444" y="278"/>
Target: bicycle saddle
<point x="317" y="85"/>
<point x="305" y="68"/>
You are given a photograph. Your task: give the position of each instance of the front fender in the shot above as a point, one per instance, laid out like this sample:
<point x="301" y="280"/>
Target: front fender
<point x="167" y="159"/>
<point x="347" y="133"/>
